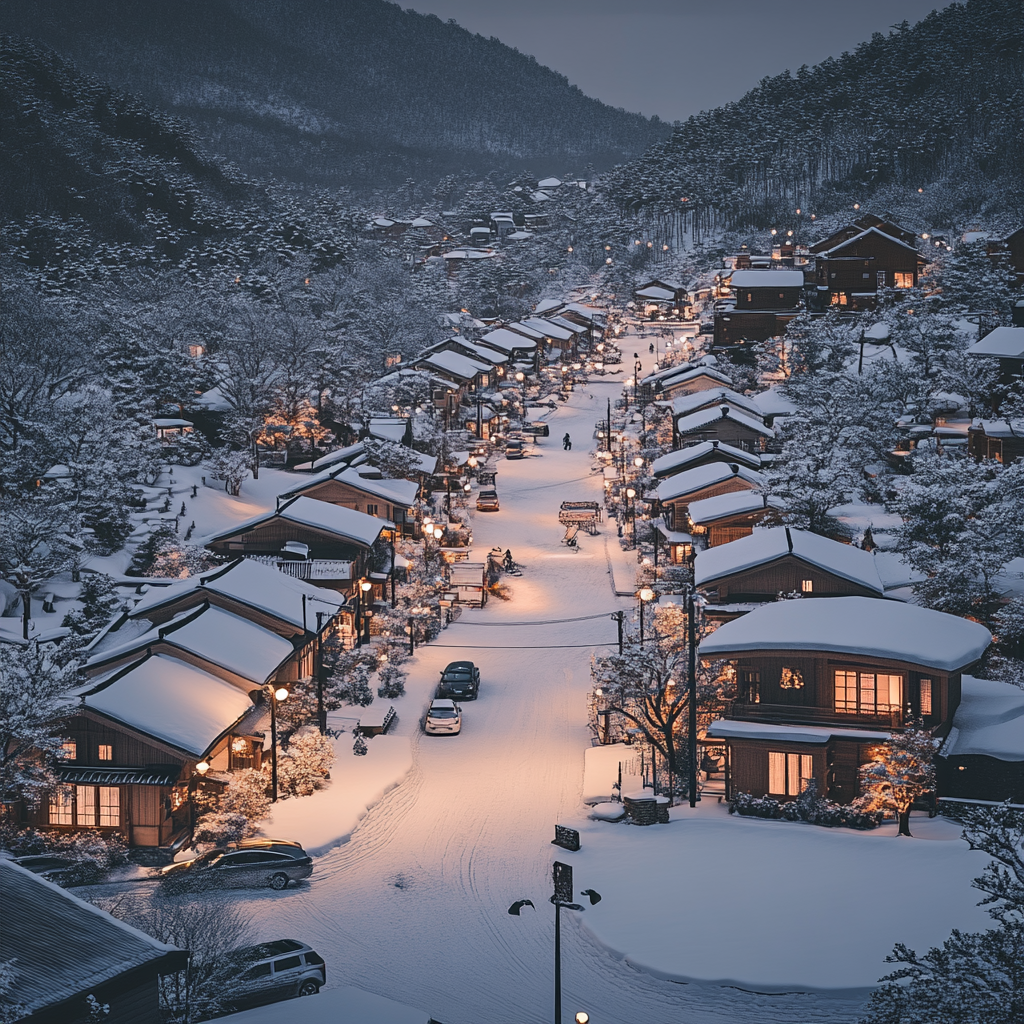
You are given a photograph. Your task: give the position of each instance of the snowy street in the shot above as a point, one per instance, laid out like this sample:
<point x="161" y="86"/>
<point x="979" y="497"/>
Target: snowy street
<point x="414" y="905"/>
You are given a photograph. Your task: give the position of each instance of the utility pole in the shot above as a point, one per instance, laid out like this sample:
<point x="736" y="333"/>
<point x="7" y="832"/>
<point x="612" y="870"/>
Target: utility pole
<point x="318" y="667"/>
<point x="691" y="639"/>
<point x="617" y="616"/>
<point x="608" y="426"/>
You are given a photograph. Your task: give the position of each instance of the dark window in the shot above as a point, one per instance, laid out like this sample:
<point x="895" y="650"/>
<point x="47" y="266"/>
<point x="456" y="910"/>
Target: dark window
<point x="750" y="686"/>
<point x="289" y="963"/>
<point x="259" y="971"/>
<point x="314" y="958"/>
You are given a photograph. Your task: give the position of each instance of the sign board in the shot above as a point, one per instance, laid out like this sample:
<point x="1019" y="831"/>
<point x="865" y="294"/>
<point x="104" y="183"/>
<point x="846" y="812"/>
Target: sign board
<point x="563" y="882"/>
<point x="567" y="838"/>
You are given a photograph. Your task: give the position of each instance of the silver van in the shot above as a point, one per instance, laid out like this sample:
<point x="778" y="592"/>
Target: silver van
<point x="270" y="971"/>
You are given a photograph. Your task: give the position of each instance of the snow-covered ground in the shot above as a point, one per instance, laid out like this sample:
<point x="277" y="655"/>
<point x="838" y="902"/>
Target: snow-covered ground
<point x="413" y="907"/>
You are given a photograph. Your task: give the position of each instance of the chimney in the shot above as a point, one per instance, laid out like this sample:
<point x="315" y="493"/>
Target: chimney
<point x="725" y="411"/>
<point x="789" y="540"/>
<point x="734" y="467"/>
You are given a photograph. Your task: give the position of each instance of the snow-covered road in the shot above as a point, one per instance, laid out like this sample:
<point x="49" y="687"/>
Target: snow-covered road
<point x="414" y="906"/>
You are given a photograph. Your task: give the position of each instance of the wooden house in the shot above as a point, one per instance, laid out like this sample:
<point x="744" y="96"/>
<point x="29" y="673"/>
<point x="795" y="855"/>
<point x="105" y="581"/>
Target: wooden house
<point x="983" y="756"/>
<point x="702" y="454"/>
<point x="676" y="493"/>
<point x="996" y="439"/>
<point x="686" y="405"/>
<point x="362" y="489"/>
<point x="725" y="424"/>
<point x="850" y="273"/>
<point x="820" y="681"/>
<point x="728" y="517"/>
<point x="557" y="339"/>
<point x="466" y="373"/>
<point x="780" y="290"/>
<point x="1007" y="345"/>
<point x="1010" y="249"/>
<point x="688" y="382"/>
<point x="737" y="329"/>
<point x="781" y="560"/>
<point x="68" y="951"/>
<point x="310" y="539"/>
<point x="519" y="347"/>
<point x="133" y="745"/>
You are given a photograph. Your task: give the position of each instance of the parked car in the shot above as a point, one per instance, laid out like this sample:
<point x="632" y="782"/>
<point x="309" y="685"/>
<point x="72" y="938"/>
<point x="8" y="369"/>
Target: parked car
<point x="62" y="870"/>
<point x="271" y="971"/>
<point x="537" y="429"/>
<point x="444" y="718"/>
<point x="461" y="679"/>
<point x="515" y="449"/>
<point x="487" y="501"/>
<point x="248" y="863"/>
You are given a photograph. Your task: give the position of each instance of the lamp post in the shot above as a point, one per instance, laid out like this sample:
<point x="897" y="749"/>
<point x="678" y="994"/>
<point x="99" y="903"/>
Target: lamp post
<point x="644" y="595"/>
<point x="276" y="695"/>
<point x="691" y="643"/>
<point x="365" y="586"/>
<point x="637" y="370"/>
<point x="521" y="377"/>
<point x="630" y="495"/>
<point x="562" y="874"/>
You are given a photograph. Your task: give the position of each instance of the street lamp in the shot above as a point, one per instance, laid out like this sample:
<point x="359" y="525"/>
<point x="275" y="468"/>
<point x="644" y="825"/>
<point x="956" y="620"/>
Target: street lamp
<point x="365" y="586"/>
<point x="521" y="378"/>
<point x="276" y="695"/>
<point x="562" y="874"/>
<point x="645" y="595"/>
<point x="630" y="513"/>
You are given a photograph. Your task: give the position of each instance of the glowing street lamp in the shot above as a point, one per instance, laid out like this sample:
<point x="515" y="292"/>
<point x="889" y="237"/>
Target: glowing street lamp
<point x="645" y="595"/>
<point x="276" y="695"/>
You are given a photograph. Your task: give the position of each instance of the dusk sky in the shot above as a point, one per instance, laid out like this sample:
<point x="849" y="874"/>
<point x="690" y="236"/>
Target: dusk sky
<point x="668" y="57"/>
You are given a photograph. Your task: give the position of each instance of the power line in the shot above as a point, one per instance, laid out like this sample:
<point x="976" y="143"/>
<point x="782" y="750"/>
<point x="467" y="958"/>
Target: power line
<point x="514" y="647"/>
<point x="540" y="622"/>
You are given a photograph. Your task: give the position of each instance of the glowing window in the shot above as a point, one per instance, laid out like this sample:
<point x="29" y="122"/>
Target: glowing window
<point x="791" y="679"/>
<point x="110" y="806"/>
<point x="105" y="752"/>
<point x="68" y="751"/>
<point x="85" y="810"/>
<point x="903" y="280"/>
<point x="789" y="774"/>
<point x="807" y="586"/>
<point x="926" y="696"/>
<point x="62" y="801"/>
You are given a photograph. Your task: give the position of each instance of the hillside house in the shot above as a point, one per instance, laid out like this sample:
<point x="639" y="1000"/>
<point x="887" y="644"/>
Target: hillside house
<point x="1007" y="345"/>
<point x="850" y="273"/>
<point x="996" y="439"/>
<point x="676" y="493"/>
<point x="702" y="454"/>
<point x="820" y="681"/>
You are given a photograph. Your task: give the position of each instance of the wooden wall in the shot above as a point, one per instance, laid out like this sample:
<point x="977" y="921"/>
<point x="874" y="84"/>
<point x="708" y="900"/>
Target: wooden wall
<point x="785" y="575"/>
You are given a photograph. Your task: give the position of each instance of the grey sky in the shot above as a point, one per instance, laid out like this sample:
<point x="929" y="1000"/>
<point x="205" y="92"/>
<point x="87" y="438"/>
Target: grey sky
<point x="676" y="57"/>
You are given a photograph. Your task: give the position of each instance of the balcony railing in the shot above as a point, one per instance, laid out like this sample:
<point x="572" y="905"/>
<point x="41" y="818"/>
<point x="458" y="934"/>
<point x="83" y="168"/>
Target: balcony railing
<point x="309" y="568"/>
<point x="801" y="714"/>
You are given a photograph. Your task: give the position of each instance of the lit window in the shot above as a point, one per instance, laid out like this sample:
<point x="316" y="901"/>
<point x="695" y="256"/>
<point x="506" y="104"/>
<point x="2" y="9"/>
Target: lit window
<point x="371" y="510"/>
<point x="807" y="586"/>
<point x="195" y="351"/>
<point x="789" y="774"/>
<point x="105" y="752"/>
<point x="68" y="751"/>
<point x="85" y="798"/>
<point x="865" y="276"/>
<point x="61" y="803"/>
<point x="791" y="679"/>
<point x="110" y="806"/>
<point x="752" y="686"/>
<point x="867" y="693"/>
<point x="926" y="696"/>
<point x="903" y="280"/>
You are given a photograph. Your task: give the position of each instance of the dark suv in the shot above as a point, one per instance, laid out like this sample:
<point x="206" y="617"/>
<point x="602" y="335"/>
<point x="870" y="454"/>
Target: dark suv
<point x="271" y="971"/>
<point x="460" y="681"/>
<point x="251" y="862"/>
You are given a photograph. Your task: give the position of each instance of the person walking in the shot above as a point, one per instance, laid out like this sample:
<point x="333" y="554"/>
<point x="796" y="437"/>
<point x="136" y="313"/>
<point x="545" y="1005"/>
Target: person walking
<point x="567" y="443"/>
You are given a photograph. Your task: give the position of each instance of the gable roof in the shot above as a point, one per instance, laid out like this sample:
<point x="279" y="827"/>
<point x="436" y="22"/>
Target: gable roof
<point x="672" y="462"/>
<point x="686" y="404"/>
<point x="863" y="234"/>
<point x="686" y="376"/>
<point x="989" y="721"/>
<point x="1003" y="342"/>
<point x="218" y="637"/>
<point x="398" y="492"/>
<point x="508" y="341"/>
<point x="172" y="701"/>
<point x="548" y="328"/>
<point x="704" y="417"/>
<point x="854" y="625"/>
<point x="456" y="364"/>
<point x="692" y="480"/>
<point x="764" y="546"/>
<point x="722" y="506"/>
<point x="65" y="947"/>
<point x="767" y="279"/>
<point x="256" y="585"/>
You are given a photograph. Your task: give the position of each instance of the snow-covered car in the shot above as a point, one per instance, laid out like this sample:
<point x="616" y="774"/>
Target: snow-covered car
<point x="444" y="718"/>
<point x="270" y="971"/>
<point x="487" y="501"/>
<point x="461" y="679"/>
<point x="515" y="449"/>
<point x="248" y="863"/>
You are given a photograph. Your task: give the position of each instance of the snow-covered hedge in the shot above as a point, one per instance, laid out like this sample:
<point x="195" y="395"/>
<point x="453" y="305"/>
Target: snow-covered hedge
<point x="807" y="807"/>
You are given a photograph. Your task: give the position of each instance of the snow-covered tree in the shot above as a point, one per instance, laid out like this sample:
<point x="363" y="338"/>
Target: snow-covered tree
<point x="900" y="771"/>
<point x="232" y="467"/>
<point x="395" y="461"/>
<point x="974" y="282"/>
<point x="100" y="603"/>
<point x="391" y="681"/>
<point x="33" y="703"/>
<point x="305" y="762"/>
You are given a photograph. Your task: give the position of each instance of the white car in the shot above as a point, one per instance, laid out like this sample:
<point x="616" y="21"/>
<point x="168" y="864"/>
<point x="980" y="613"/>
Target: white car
<point x="444" y="718"/>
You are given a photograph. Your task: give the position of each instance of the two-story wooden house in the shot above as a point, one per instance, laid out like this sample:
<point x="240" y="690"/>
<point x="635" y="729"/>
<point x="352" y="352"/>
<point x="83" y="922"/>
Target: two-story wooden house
<point x="364" y="490"/>
<point x="782" y="560"/>
<point x="820" y="681"/>
<point x="676" y="493"/>
<point x="728" y="517"/>
<point x="1006" y="344"/>
<point x="762" y="304"/>
<point x="310" y="539"/>
<point x="725" y="424"/>
<point x="851" y="272"/>
<point x="702" y="454"/>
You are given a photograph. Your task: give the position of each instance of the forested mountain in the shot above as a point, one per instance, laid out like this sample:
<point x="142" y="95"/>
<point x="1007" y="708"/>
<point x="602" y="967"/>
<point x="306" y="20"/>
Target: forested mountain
<point x="938" y="106"/>
<point x="334" y="92"/>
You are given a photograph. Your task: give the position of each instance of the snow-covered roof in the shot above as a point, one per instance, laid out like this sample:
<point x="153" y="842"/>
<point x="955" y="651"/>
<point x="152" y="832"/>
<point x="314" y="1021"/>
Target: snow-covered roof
<point x="520" y="328"/>
<point x="171" y="701"/>
<point x="989" y="721"/>
<point x="549" y="328"/>
<point x="709" y="510"/>
<point x="767" y="279"/>
<point x="256" y="585"/>
<point x="700" y="419"/>
<point x="422" y="222"/>
<point x="1001" y="428"/>
<point x="817" y="735"/>
<point x="1003" y="342"/>
<point x="549" y="182"/>
<point x="686" y="376"/>
<point x="674" y="462"/>
<point x="655" y="293"/>
<point x="488" y="354"/>
<point x="878" y="332"/>
<point x="388" y="428"/>
<point x="864" y="234"/>
<point x="398" y="492"/>
<point x="668" y="371"/>
<point x="855" y="625"/>
<point x="217" y="636"/>
<point x="686" y="404"/>
<point x="213" y="400"/>
<point x="457" y="364"/>
<point x="767" y="545"/>
<point x="318" y="515"/>
<point x="64" y="946"/>
<point x="568" y="325"/>
<point x="469" y="254"/>
<point x="773" y="403"/>
<point x="507" y="341"/>
<point x="692" y="480"/>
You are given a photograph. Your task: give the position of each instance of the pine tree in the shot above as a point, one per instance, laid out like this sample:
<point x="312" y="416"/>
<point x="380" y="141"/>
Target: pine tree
<point x="899" y="772"/>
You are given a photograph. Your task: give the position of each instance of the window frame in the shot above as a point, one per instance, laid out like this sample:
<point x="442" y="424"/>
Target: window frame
<point x="101" y="747"/>
<point x="789" y="772"/>
<point x="861" y="690"/>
